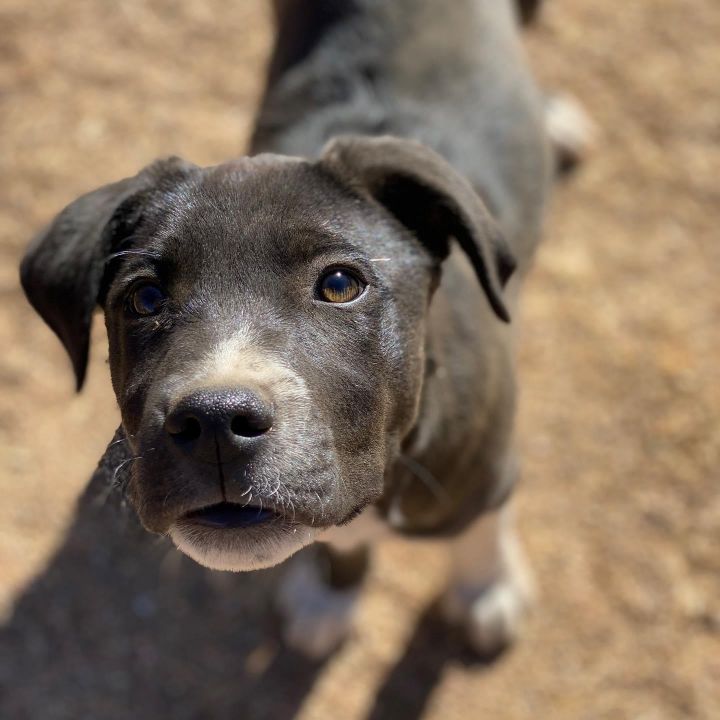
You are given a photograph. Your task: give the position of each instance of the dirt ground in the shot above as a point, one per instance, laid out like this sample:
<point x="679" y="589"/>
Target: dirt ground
<point x="620" y="508"/>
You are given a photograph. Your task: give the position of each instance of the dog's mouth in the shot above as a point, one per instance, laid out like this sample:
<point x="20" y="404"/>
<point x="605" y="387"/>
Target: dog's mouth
<point x="230" y="536"/>
<point x="230" y="516"/>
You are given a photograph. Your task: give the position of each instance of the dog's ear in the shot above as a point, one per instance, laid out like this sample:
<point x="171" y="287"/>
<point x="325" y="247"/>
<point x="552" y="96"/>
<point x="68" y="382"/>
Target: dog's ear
<point x="63" y="268"/>
<point x="429" y="198"/>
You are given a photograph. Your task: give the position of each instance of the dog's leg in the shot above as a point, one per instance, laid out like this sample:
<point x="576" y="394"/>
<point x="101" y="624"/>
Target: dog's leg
<point x="320" y="590"/>
<point x="318" y="597"/>
<point x="491" y="586"/>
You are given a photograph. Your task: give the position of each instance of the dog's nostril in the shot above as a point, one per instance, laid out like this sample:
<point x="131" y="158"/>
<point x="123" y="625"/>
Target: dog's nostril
<point x="186" y="429"/>
<point x="247" y="426"/>
<point x="212" y="423"/>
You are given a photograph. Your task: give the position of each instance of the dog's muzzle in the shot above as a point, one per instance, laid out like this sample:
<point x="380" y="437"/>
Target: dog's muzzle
<point x="226" y="428"/>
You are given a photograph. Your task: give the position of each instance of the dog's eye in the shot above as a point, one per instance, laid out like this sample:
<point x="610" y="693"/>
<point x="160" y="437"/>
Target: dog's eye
<point x="146" y="299"/>
<point x="340" y="286"/>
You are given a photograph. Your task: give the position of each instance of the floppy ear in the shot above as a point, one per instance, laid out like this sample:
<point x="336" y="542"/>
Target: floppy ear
<point x="431" y="199"/>
<point x="63" y="268"/>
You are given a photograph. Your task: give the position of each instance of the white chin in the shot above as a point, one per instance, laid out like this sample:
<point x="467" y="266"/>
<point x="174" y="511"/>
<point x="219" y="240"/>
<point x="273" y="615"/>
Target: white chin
<point x="239" y="550"/>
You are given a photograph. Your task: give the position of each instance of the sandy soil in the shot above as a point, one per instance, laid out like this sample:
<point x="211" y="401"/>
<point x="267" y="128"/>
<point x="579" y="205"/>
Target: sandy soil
<point x="619" y="418"/>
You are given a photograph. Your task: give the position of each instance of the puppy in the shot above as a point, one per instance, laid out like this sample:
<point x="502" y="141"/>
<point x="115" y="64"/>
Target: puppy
<point x="316" y="341"/>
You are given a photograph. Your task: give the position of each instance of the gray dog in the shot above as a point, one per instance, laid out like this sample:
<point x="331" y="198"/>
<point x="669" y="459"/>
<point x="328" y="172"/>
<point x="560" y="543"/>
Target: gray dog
<point x="315" y="342"/>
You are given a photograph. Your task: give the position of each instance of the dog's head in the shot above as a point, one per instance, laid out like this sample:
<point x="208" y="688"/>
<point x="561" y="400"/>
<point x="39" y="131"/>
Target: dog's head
<point x="266" y="320"/>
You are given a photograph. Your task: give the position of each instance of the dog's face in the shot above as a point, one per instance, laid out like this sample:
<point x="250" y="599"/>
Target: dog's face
<point x="266" y="327"/>
<point x="265" y="346"/>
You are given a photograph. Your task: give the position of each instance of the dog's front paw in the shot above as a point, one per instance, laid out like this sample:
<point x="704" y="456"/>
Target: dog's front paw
<point x="492" y="613"/>
<point x="317" y="617"/>
<point x="491" y="617"/>
<point x="571" y="131"/>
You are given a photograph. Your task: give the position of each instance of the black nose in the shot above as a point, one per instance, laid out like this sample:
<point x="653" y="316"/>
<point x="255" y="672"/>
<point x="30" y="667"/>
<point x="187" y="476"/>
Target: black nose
<point x="219" y="425"/>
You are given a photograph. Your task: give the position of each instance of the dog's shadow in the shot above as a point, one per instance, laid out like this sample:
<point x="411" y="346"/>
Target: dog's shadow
<point x="408" y="687"/>
<point x="121" y="626"/>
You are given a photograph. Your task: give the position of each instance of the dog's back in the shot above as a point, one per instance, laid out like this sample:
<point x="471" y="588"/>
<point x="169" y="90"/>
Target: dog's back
<point x="450" y="75"/>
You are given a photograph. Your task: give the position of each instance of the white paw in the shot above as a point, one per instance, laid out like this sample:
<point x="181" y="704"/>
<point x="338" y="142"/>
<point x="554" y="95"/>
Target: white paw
<point x="317" y="617"/>
<point x="492" y="613"/>
<point x="572" y="132"/>
<point x="492" y="617"/>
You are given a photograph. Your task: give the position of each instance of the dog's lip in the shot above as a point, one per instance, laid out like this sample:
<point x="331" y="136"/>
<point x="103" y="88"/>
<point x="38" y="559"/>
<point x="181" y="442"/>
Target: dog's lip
<point x="229" y="516"/>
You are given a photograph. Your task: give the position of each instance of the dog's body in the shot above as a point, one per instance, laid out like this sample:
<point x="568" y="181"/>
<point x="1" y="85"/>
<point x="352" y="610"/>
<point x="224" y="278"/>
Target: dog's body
<point x="454" y="79"/>
<point x="272" y="336"/>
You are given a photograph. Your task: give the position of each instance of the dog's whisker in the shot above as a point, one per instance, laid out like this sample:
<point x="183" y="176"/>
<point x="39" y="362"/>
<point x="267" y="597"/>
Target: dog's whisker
<point x="380" y="259"/>
<point x="424" y="475"/>
<point x="122" y="465"/>
<point x="114" y="483"/>
<point x="320" y="503"/>
<point x="341" y="481"/>
<point x="276" y="492"/>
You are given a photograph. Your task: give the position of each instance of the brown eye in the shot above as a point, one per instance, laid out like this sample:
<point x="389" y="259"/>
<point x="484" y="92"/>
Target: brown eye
<point x="146" y="299"/>
<point x="340" y="286"/>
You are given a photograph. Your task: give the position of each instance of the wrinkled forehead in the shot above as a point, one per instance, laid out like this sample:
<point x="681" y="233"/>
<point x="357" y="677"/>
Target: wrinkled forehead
<point x="258" y="210"/>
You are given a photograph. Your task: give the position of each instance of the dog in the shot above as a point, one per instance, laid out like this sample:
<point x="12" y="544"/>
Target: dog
<point x="314" y="344"/>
